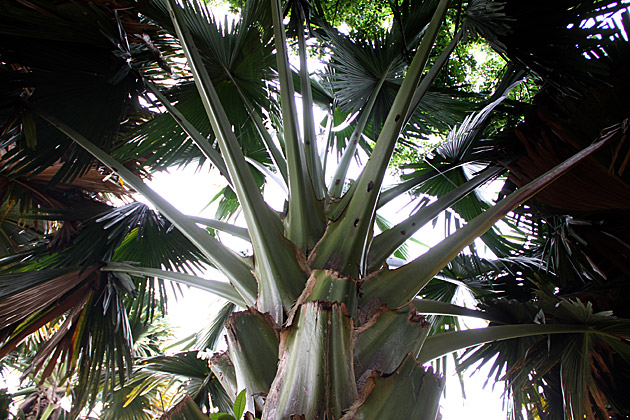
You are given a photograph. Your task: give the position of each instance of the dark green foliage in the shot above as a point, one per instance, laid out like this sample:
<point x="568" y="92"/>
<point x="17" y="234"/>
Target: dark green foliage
<point x="79" y="74"/>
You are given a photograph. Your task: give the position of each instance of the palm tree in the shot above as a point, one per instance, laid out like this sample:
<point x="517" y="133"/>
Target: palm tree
<point x="329" y="329"/>
<point x="576" y="224"/>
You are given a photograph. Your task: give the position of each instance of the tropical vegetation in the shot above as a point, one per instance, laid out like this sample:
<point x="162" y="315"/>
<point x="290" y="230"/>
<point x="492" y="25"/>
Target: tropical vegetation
<point x="328" y="316"/>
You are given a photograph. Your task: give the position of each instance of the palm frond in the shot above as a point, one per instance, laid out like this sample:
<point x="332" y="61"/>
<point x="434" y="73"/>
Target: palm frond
<point x="566" y="364"/>
<point x="55" y="58"/>
<point x="188" y="372"/>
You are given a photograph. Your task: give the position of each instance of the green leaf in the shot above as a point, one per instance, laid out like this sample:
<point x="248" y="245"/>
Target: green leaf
<point x="29" y="129"/>
<point x="405" y="186"/>
<point x="239" y="404"/>
<point x="387" y="242"/>
<point x="209" y="336"/>
<point x="427" y="80"/>
<point x="339" y="177"/>
<point x="81" y="65"/>
<point x="199" y="140"/>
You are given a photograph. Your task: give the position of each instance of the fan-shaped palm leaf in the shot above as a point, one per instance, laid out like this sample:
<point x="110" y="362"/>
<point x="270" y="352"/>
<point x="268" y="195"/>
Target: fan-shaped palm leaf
<point x="54" y="57"/>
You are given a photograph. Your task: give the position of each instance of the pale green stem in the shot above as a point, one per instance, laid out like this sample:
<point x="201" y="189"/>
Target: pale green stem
<point x="408" y="185"/>
<point x="439" y="345"/>
<point x="200" y="141"/>
<point x="434" y="307"/>
<point x="428" y="79"/>
<point x="329" y="142"/>
<point x="387" y="242"/>
<point x="310" y="138"/>
<point x="336" y="186"/>
<point x="399" y="286"/>
<point x="269" y="175"/>
<point x="221" y="289"/>
<point x="344" y="246"/>
<point x="239" y="232"/>
<point x="279" y="275"/>
<point x="305" y="220"/>
<point x="235" y="269"/>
